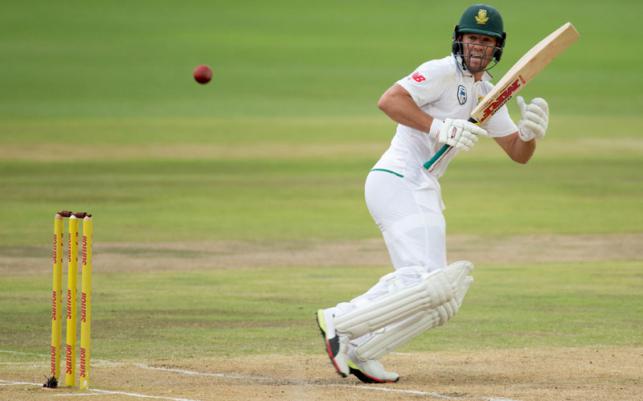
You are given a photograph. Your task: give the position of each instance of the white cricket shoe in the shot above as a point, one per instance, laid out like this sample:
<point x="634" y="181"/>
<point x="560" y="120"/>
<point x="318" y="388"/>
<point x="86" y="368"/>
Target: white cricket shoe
<point x="371" y="371"/>
<point x="336" y="346"/>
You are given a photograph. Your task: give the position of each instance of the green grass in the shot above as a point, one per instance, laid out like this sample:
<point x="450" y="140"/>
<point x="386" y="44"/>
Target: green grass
<point x="156" y="200"/>
<point x="117" y="59"/>
<point x="256" y="311"/>
<point x="98" y="111"/>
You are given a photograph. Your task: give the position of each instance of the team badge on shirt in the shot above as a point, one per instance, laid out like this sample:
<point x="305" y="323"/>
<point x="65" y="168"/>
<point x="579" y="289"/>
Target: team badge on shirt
<point x="462" y="94"/>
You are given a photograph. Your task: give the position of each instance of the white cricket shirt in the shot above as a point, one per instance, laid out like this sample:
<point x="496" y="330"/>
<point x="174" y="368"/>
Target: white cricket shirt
<point x="442" y="90"/>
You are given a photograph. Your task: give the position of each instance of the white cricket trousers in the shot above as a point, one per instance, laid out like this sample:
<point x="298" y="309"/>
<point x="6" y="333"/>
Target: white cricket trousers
<point x="410" y="218"/>
<point x="409" y="215"/>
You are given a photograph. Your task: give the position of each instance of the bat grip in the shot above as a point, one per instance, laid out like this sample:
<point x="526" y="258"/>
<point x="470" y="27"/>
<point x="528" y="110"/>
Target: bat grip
<point x="436" y="156"/>
<point x="443" y="149"/>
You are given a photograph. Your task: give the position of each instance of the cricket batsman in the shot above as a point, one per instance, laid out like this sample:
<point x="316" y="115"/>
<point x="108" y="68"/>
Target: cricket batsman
<point x="431" y="107"/>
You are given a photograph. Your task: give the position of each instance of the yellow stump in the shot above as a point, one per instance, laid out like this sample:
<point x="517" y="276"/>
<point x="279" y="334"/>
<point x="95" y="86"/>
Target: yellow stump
<point x="72" y="272"/>
<point x="56" y="296"/>
<point x="86" y="303"/>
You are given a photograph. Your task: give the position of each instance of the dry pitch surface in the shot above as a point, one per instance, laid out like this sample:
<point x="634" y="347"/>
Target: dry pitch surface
<point x="601" y="373"/>
<point x="609" y="374"/>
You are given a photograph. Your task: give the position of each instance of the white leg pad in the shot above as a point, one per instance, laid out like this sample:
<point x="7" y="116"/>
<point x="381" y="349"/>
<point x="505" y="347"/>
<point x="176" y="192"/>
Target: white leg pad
<point x="435" y="289"/>
<point x="458" y="271"/>
<point x="390" y="338"/>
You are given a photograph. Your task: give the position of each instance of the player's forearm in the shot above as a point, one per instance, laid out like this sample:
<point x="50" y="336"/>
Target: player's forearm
<point x="400" y="107"/>
<point x="518" y="150"/>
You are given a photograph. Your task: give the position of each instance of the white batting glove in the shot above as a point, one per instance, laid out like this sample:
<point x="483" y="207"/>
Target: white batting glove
<point x="460" y="134"/>
<point x="534" y="118"/>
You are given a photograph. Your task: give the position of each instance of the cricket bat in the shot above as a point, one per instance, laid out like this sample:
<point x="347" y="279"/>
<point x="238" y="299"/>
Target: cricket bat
<point x="523" y="71"/>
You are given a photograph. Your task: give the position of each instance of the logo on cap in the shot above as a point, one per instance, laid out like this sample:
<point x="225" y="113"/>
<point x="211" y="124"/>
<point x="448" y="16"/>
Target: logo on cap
<point x="482" y="18"/>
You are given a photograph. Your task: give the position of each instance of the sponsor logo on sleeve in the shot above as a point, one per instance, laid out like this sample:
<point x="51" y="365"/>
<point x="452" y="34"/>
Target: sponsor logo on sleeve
<point x="417" y="77"/>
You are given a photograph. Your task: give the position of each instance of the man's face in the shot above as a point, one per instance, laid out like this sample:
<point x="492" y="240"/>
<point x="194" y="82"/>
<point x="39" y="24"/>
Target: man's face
<point x="478" y="51"/>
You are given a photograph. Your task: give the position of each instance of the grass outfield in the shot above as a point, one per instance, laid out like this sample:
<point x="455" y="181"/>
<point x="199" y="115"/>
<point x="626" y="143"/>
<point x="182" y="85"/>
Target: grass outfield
<point x="99" y="112"/>
<point x="250" y="186"/>
<point x="179" y="314"/>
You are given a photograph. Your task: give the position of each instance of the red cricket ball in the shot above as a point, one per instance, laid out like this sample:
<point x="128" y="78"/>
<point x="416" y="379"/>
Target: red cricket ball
<point x="202" y="74"/>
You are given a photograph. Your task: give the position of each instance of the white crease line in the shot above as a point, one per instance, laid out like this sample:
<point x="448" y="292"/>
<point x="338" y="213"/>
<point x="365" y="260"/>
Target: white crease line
<point x="137" y="395"/>
<point x="78" y="395"/>
<point x="97" y="391"/>
<point x="105" y="364"/>
<point x="417" y="392"/>
<point x="30" y="364"/>
<point x="20" y="353"/>
<point x="499" y="399"/>
<point x="401" y="391"/>
<point x="8" y="383"/>
<point x="205" y="374"/>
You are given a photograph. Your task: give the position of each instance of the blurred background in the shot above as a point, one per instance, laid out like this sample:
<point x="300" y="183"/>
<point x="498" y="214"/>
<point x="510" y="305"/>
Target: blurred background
<point x="98" y="111"/>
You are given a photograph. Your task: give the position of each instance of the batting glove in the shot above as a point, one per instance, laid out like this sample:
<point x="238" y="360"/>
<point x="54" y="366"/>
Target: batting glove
<point x="534" y="118"/>
<point x="461" y="134"/>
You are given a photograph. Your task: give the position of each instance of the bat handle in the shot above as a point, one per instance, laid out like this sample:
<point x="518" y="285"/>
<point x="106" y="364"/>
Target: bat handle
<point x="436" y="156"/>
<point x="443" y="149"/>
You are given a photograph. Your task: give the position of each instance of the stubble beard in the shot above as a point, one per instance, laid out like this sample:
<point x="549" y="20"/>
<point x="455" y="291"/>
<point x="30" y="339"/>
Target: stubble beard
<point x="477" y="61"/>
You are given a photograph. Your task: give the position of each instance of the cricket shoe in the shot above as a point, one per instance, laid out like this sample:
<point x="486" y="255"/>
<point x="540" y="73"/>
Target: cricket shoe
<point x="371" y="371"/>
<point x="335" y="345"/>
